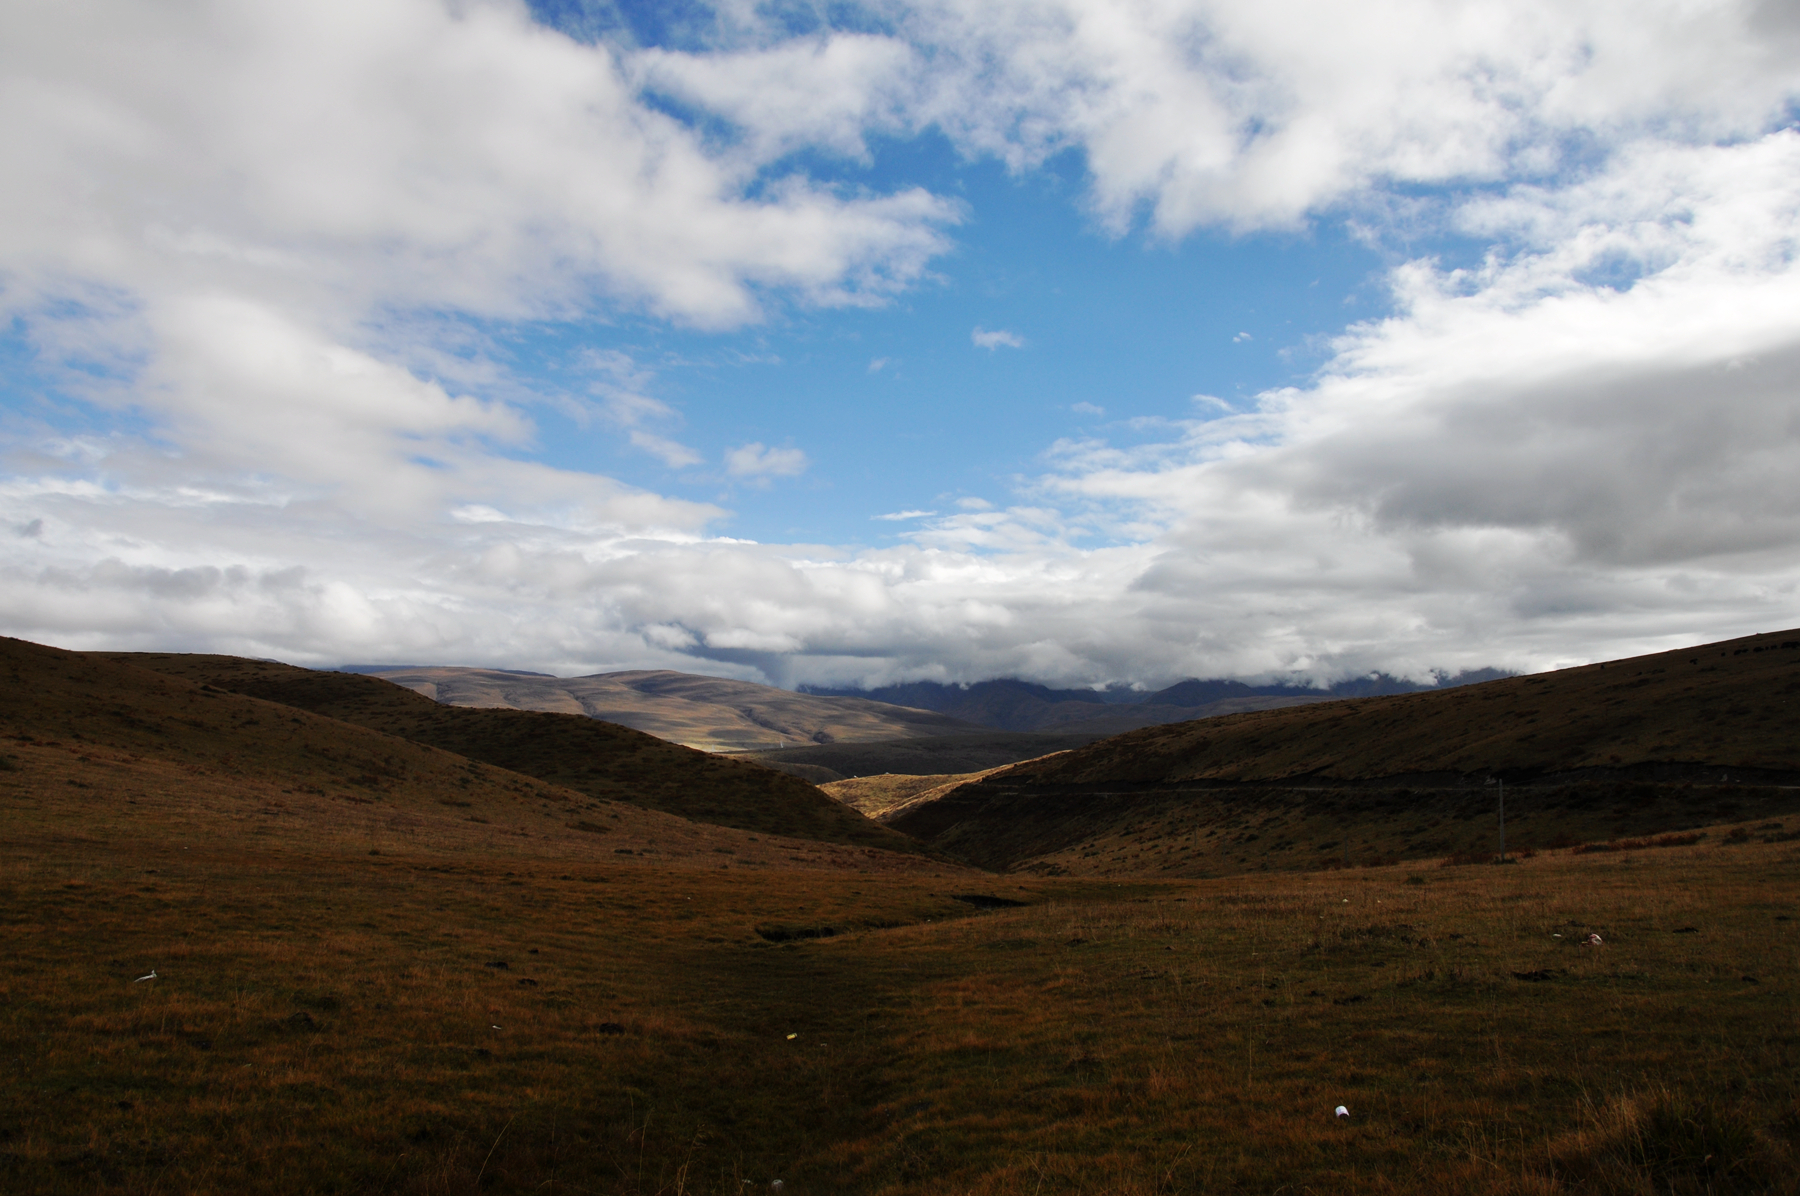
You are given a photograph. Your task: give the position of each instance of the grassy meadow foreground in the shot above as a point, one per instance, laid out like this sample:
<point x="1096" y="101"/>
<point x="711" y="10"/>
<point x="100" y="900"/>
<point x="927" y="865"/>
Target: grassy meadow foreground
<point x="436" y="1021"/>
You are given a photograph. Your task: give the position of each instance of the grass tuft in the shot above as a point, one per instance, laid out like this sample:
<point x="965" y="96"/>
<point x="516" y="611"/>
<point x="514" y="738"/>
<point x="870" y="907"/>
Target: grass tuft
<point x="1667" y="1142"/>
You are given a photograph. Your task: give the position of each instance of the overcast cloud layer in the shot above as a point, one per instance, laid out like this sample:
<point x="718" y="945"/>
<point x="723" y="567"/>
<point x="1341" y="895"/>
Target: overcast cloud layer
<point x="251" y="247"/>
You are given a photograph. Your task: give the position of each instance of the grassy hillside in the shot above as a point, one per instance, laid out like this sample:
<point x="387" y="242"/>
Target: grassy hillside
<point x="711" y="713"/>
<point x="1632" y="747"/>
<point x="101" y="748"/>
<point x="598" y="759"/>
<point x="546" y="1018"/>
<point x="1734" y="704"/>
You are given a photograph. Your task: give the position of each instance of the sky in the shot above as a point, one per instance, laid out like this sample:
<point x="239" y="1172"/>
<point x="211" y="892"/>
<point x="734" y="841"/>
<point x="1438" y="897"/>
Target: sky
<point x="1090" y="342"/>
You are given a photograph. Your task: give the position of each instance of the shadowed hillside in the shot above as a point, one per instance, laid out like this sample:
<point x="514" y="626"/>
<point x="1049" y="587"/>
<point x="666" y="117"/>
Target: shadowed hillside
<point x="1612" y="748"/>
<point x="710" y="713"/>
<point x="586" y="755"/>
<point x="97" y="750"/>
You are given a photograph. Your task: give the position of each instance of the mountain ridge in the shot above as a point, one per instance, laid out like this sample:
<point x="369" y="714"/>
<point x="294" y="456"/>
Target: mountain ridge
<point x="596" y="758"/>
<point x="1657" y="738"/>
<point x="708" y="713"/>
<point x="1009" y="704"/>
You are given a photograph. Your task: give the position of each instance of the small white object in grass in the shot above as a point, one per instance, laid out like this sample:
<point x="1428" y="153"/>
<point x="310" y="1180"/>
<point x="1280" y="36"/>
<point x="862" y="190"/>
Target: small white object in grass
<point x="495" y="1027"/>
<point x="777" y="1184"/>
<point x="141" y="979"/>
<point x="1342" y="1111"/>
<point x="791" y="1037"/>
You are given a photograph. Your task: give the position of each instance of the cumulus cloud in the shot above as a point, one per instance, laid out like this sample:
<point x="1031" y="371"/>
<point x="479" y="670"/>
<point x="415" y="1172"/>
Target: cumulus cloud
<point x="757" y="460"/>
<point x="258" y="229"/>
<point x="256" y="241"/>
<point x="1519" y="446"/>
<point x="251" y="236"/>
<point x="827" y="93"/>
<point x="984" y="339"/>
<point x="1251" y="113"/>
<point x="401" y="152"/>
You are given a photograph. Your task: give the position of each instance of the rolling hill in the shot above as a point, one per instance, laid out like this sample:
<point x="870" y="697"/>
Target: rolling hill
<point x="250" y="948"/>
<point x="100" y="751"/>
<point x="1635" y="746"/>
<point x="597" y="759"/>
<point x="1021" y="706"/>
<point x="710" y="713"/>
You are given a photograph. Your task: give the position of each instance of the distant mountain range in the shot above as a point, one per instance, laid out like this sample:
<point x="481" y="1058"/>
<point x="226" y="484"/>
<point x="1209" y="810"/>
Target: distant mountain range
<point x="1010" y="705"/>
<point x="721" y="715"/>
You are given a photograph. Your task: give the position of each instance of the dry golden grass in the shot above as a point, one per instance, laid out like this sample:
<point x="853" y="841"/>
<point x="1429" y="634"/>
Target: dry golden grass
<point x="890" y="792"/>
<point x="325" y="1020"/>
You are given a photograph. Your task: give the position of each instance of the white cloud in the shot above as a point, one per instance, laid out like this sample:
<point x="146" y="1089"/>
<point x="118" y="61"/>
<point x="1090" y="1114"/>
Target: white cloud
<point x="669" y="452"/>
<point x="981" y="338"/>
<point x="1253" y="112"/>
<point x="619" y="384"/>
<point x="1241" y="337"/>
<point x="877" y="364"/>
<point x="825" y="93"/>
<point x="1087" y="409"/>
<point x="756" y="460"/>
<point x="261" y="231"/>
<point x="264" y="230"/>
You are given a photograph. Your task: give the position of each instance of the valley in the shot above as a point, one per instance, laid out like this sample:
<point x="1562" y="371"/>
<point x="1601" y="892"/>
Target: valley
<point x="269" y="930"/>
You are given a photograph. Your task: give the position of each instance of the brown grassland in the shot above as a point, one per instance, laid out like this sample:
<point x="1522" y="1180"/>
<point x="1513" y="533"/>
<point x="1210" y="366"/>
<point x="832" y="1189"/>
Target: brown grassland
<point x="329" y="1021"/>
<point x="600" y="760"/>
<point x="1672" y="741"/>
<point x="459" y="978"/>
